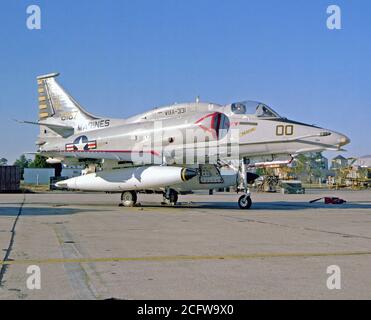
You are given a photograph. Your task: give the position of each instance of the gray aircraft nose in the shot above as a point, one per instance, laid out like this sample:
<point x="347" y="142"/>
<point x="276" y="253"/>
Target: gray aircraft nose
<point x="342" y="140"/>
<point x="335" y="139"/>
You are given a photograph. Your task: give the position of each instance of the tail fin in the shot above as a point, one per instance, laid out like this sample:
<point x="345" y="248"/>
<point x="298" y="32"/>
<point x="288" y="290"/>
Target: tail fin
<point x="58" y="111"/>
<point x="55" y="102"/>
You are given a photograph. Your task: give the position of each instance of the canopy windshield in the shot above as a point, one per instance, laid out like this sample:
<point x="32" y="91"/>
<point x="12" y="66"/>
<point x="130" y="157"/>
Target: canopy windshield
<point x="254" y="108"/>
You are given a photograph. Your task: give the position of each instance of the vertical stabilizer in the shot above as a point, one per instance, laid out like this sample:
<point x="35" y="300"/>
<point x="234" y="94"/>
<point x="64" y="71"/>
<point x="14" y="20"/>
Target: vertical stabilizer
<point x="55" y="102"/>
<point x="57" y="107"/>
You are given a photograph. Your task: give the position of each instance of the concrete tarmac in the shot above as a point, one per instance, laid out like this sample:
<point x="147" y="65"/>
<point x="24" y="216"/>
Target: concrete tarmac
<point x="87" y="247"/>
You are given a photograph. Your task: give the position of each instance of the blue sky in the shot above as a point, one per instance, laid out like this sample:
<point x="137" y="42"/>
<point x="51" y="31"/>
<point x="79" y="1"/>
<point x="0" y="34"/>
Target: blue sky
<point x="119" y="58"/>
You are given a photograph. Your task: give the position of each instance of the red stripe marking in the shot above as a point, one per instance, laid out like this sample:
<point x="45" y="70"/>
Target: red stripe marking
<point x="110" y="151"/>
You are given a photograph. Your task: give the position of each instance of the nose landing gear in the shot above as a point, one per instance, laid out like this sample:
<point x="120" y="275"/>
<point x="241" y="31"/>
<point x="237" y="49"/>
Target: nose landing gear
<point x="245" y="178"/>
<point x="244" y="202"/>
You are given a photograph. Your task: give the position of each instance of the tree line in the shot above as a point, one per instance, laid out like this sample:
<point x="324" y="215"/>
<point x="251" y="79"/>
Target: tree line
<point x="23" y="162"/>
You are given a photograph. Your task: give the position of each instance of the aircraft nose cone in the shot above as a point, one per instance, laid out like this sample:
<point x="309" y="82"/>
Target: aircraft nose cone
<point x="343" y="140"/>
<point x="188" y="174"/>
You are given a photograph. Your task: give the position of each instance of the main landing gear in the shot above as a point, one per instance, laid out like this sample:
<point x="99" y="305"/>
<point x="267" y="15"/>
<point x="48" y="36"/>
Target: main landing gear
<point x="129" y="198"/>
<point x="170" y="197"/>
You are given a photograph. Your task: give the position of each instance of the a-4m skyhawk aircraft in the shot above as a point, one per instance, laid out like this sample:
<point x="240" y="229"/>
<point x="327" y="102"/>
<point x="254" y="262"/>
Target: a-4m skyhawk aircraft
<point x="171" y="150"/>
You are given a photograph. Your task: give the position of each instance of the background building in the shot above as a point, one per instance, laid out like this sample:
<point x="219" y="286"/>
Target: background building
<point x="339" y="162"/>
<point x="39" y="176"/>
<point x="363" y="162"/>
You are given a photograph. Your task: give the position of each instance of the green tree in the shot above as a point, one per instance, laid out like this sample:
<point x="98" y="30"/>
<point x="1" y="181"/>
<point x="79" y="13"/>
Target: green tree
<point x="3" y="162"/>
<point x="23" y="163"/>
<point x="300" y="166"/>
<point x="309" y="166"/>
<point x="39" y="162"/>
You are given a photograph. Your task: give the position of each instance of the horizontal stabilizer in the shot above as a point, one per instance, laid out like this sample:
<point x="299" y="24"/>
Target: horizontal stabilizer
<point x="62" y="130"/>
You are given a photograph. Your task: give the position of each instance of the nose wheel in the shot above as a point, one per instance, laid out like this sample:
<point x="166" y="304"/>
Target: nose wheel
<point x="244" y="202"/>
<point x="128" y="199"/>
<point x="245" y="179"/>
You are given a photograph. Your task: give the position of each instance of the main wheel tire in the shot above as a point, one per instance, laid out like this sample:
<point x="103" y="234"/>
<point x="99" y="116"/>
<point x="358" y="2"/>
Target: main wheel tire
<point x="172" y="199"/>
<point x="244" y="202"/>
<point x="129" y="198"/>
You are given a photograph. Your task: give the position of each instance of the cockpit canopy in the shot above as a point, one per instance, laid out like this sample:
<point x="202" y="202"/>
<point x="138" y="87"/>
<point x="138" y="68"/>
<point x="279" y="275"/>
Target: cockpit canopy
<point x="257" y="109"/>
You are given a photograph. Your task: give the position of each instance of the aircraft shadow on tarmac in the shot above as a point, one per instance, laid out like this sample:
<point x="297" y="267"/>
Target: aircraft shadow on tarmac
<point x="276" y="206"/>
<point x="36" y="211"/>
<point x="282" y="205"/>
<point x="257" y="206"/>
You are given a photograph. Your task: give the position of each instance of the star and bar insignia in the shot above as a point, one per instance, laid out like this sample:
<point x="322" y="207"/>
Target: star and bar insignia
<point x="81" y="144"/>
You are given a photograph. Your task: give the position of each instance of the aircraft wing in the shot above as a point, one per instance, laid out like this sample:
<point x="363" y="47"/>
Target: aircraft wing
<point x="130" y="156"/>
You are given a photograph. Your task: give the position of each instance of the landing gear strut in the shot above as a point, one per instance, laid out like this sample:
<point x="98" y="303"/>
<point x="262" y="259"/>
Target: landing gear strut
<point x="170" y="197"/>
<point x="246" y="178"/>
<point x="128" y="198"/>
